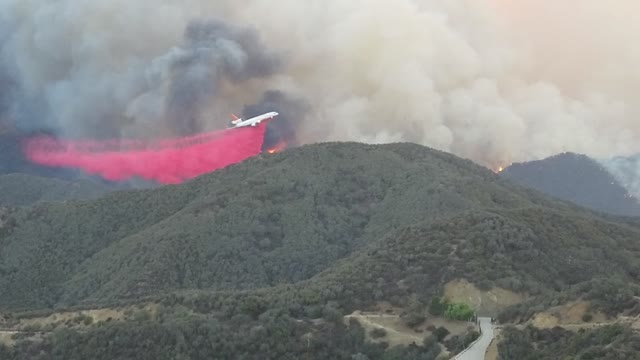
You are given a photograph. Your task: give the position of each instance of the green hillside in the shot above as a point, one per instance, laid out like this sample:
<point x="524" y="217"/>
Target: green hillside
<point x="543" y="253"/>
<point x="262" y="259"/>
<point x="268" y="221"/>
<point x="22" y="189"/>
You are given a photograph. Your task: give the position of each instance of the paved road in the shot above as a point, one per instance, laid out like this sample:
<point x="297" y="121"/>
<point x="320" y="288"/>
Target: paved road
<point x="479" y="348"/>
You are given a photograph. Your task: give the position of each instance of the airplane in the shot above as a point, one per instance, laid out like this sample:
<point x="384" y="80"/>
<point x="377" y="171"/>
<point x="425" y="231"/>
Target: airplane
<point x="238" y="122"/>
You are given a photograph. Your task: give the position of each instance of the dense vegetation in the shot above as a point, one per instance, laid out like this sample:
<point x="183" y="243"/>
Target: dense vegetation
<point x="270" y="246"/>
<point x="613" y="342"/>
<point x="460" y="312"/>
<point x="576" y="178"/>
<point x="274" y="335"/>
<point x="521" y="250"/>
<point x="175" y="333"/>
<point x="268" y="221"/>
<point x="610" y="295"/>
<point x="21" y="189"/>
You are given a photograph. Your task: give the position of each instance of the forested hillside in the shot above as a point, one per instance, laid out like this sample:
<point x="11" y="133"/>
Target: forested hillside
<point x="534" y="251"/>
<point x="271" y="220"/>
<point x="262" y="259"/>
<point x="22" y="189"/>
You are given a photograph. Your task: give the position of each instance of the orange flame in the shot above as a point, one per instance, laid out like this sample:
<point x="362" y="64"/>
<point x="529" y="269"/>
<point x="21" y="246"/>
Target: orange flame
<point x="500" y="168"/>
<point x="277" y="147"/>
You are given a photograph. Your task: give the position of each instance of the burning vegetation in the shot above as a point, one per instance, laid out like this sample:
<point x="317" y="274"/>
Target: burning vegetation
<point x="277" y="147"/>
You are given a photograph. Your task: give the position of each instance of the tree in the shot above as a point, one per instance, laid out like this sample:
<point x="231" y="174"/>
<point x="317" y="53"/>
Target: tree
<point x="438" y="306"/>
<point x="459" y="311"/>
<point x="414" y="319"/>
<point x="332" y="314"/>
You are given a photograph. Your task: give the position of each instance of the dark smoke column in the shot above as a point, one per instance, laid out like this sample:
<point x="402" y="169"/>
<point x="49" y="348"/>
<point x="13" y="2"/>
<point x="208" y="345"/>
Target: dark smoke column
<point x="282" y="129"/>
<point x="212" y="51"/>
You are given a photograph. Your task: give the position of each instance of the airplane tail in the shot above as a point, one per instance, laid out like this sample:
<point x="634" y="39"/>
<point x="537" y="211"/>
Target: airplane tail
<point x="235" y="119"/>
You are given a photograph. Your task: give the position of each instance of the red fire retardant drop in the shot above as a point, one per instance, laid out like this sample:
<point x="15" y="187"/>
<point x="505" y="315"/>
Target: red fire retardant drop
<point x="168" y="161"/>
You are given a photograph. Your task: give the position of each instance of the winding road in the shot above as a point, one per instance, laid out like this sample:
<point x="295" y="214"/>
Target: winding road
<point x="477" y="350"/>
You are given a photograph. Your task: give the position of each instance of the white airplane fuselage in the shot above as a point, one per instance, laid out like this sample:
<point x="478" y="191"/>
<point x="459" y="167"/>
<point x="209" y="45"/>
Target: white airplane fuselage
<point x="254" y="120"/>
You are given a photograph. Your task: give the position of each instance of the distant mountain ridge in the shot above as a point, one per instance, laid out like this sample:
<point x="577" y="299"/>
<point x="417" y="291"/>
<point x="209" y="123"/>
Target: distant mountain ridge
<point x="576" y="178"/>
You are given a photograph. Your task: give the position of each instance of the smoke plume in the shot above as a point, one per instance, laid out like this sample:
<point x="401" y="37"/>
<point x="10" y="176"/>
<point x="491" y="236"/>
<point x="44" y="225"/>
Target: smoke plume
<point x="626" y="170"/>
<point x="496" y="81"/>
<point x="83" y="69"/>
<point x="291" y="111"/>
<point x="212" y="52"/>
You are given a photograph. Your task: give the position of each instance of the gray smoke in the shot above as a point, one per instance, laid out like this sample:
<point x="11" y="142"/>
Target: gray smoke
<point x="212" y="52"/>
<point x="98" y="87"/>
<point x="484" y="79"/>
<point x="282" y="130"/>
<point x="626" y="170"/>
<point x="6" y="87"/>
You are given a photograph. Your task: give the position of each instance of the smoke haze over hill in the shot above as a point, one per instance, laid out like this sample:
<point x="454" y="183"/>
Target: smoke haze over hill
<point x="487" y="80"/>
<point x="579" y="179"/>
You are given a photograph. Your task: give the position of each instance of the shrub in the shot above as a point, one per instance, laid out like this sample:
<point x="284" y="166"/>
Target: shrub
<point x="414" y="319"/>
<point x="378" y="333"/>
<point x="441" y="333"/>
<point x="461" y="312"/>
<point x="438" y="306"/>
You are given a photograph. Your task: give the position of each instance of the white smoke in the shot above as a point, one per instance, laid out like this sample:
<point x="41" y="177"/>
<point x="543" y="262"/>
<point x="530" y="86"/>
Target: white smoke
<point x="497" y="81"/>
<point x="626" y="170"/>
